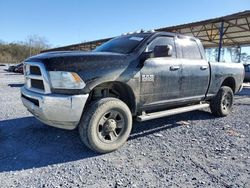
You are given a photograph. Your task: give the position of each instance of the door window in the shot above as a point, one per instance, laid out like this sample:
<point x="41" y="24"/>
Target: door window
<point x="189" y="48"/>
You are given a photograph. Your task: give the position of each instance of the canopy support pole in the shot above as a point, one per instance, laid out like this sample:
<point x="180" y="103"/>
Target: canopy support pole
<point x="221" y="40"/>
<point x="239" y="52"/>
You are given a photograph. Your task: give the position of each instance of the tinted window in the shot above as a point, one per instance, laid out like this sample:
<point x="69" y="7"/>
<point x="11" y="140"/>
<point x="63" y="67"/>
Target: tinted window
<point x="162" y="41"/>
<point x="190" y="49"/>
<point x="124" y="44"/>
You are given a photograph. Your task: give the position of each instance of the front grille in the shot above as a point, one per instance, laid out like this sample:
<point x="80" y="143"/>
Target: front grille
<point x="34" y="101"/>
<point x="35" y="70"/>
<point x="36" y="77"/>
<point x="38" y="84"/>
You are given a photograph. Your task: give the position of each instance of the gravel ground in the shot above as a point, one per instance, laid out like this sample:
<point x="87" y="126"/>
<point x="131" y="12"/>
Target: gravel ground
<point x="188" y="150"/>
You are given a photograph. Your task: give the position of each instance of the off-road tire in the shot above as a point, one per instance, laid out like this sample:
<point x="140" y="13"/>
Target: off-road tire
<point x="89" y="126"/>
<point x="221" y="104"/>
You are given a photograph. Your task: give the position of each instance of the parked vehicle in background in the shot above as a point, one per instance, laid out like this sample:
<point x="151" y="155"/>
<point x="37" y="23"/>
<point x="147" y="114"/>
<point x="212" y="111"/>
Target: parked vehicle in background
<point x="18" y="68"/>
<point x="146" y="75"/>
<point x="247" y="73"/>
<point x="11" y="68"/>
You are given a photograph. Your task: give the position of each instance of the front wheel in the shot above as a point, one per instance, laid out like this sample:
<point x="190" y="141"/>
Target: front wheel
<point x="106" y="125"/>
<point x="221" y="104"/>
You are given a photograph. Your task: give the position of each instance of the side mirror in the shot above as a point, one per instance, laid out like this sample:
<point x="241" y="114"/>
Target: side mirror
<point x="163" y="51"/>
<point x="146" y="55"/>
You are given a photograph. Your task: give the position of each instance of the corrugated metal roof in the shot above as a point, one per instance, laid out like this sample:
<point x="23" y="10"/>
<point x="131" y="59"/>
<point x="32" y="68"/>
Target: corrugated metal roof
<point x="236" y="32"/>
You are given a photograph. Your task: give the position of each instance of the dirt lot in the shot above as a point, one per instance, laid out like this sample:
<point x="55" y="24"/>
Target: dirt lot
<point x="188" y="150"/>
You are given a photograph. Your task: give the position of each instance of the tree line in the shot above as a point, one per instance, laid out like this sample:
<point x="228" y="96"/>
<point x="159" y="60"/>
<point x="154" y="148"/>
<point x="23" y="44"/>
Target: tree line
<point x="234" y="53"/>
<point x="16" y="52"/>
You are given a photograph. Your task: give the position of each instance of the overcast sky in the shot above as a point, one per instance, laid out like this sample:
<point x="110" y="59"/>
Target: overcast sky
<point x="64" y="22"/>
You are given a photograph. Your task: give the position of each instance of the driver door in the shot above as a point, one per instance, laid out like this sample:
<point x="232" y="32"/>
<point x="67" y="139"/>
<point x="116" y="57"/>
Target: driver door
<point x="160" y="76"/>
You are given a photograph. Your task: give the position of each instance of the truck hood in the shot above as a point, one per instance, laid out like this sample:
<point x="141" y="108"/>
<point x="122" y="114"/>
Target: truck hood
<point x="76" y="61"/>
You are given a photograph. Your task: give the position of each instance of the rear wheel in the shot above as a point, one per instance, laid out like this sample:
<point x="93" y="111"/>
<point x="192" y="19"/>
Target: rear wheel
<point x="221" y="104"/>
<point x="106" y="125"/>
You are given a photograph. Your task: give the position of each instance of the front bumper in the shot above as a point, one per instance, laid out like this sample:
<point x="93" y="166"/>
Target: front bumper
<point x="62" y="111"/>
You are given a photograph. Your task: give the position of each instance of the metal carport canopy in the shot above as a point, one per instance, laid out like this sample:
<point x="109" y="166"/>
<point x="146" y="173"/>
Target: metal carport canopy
<point x="233" y="30"/>
<point x="230" y="30"/>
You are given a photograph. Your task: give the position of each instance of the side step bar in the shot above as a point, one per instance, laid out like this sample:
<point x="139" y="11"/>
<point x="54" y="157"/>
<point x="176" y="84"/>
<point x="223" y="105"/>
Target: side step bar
<point x="154" y="115"/>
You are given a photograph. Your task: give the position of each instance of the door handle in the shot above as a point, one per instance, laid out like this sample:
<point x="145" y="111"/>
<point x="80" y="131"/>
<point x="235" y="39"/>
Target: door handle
<point x="173" y="68"/>
<point x="203" y="67"/>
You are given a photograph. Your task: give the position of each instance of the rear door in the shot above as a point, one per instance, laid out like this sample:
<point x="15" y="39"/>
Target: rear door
<point x="195" y="70"/>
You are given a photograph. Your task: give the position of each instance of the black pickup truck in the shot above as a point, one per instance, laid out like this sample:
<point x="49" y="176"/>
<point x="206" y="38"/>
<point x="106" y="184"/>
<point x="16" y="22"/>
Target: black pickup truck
<point x="142" y="75"/>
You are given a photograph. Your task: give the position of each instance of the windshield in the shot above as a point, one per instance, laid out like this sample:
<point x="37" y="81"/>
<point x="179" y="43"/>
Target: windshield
<point x="124" y="44"/>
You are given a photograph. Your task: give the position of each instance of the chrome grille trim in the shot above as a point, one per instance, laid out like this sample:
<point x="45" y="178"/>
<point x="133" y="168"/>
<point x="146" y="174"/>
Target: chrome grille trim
<point x="44" y="77"/>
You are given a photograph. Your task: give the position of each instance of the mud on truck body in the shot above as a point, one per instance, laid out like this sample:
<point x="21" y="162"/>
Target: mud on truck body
<point x="141" y="75"/>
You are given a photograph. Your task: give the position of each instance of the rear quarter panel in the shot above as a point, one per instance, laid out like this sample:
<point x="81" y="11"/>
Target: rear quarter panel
<point x="220" y="71"/>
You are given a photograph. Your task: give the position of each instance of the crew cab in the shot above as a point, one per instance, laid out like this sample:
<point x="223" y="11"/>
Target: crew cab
<point x="143" y="75"/>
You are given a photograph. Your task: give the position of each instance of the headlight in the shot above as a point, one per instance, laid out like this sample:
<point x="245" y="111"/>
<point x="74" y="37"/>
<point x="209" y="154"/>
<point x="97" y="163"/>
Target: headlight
<point x="66" y="80"/>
